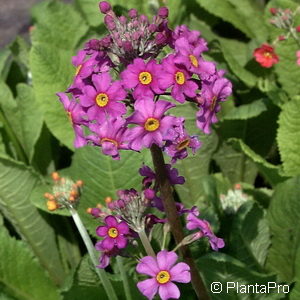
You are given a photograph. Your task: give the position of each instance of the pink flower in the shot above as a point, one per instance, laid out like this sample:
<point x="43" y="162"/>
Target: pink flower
<point x="205" y="230"/>
<point x="266" y="56"/>
<point x="212" y="93"/>
<point x="114" y="233"/>
<point x="101" y="100"/>
<point x="190" y="57"/>
<point x="179" y="78"/>
<point x="83" y="68"/>
<point x="151" y="121"/>
<point x="143" y="78"/>
<point x="76" y="116"/>
<point x="298" y="57"/>
<point x="163" y="271"/>
<point x="110" y="136"/>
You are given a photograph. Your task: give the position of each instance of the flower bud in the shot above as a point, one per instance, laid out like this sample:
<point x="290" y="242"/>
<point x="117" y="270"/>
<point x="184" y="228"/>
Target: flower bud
<point x="163" y="12"/>
<point x="152" y="28"/>
<point x="109" y="22"/>
<point x="104" y="7"/>
<point x="298" y="28"/>
<point x="123" y="20"/>
<point x="132" y="13"/>
<point x="273" y="10"/>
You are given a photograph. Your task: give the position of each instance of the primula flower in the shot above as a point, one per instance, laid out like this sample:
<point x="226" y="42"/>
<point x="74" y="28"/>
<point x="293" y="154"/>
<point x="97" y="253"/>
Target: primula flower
<point x="83" y="68"/>
<point x="266" y="56"/>
<point x="190" y="57"/>
<point x="178" y="78"/>
<point x="104" y="259"/>
<point x="110" y="136"/>
<point x="76" y="116"/>
<point x="114" y="233"/>
<point x="143" y="78"/>
<point x="195" y="223"/>
<point x="212" y="93"/>
<point x="102" y="100"/>
<point x="151" y="121"/>
<point x="163" y="271"/>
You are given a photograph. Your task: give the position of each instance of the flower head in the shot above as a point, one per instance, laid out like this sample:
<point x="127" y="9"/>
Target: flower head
<point x="151" y="121"/>
<point x="101" y="99"/>
<point x="143" y="78"/>
<point x="163" y="272"/>
<point x="114" y="233"/>
<point x="266" y="56"/>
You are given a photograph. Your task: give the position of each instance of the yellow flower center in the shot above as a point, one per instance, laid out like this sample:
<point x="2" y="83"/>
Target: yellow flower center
<point x="151" y="124"/>
<point x="145" y="78"/>
<point x="213" y="103"/>
<point x="180" y="78"/>
<point x="113" y="232"/>
<point x="78" y="70"/>
<point x="109" y="140"/>
<point x="267" y="54"/>
<point x="102" y="99"/>
<point x="194" y="60"/>
<point x="183" y="144"/>
<point x="163" y="277"/>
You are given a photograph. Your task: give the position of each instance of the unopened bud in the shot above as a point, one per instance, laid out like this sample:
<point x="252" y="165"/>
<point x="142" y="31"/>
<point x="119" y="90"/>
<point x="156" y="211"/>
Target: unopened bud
<point x="108" y="200"/>
<point x="273" y="10"/>
<point x="79" y="183"/>
<point x="104" y="7"/>
<point x="132" y="13"/>
<point x="52" y="205"/>
<point x="55" y="176"/>
<point x="163" y="12"/>
<point x="89" y="210"/>
<point x="298" y="28"/>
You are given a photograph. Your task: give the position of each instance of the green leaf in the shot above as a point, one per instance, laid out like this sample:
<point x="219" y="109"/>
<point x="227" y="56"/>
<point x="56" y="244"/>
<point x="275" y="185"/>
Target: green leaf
<point x="16" y="184"/>
<point x="31" y="118"/>
<point x="250" y="236"/>
<point x="102" y="177"/>
<point x="223" y="269"/>
<point x="288" y="137"/>
<point x="284" y="222"/>
<point x="246" y="111"/>
<point x="4" y="64"/>
<point x="271" y="172"/>
<point x="21" y="274"/>
<point x="236" y="166"/>
<point x="59" y="30"/>
<point x="52" y="73"/>
<point x="20" y="51"/>
<point x="229" y="51"/>
<point x="226" y="11"/>
<point x="287" y="69"/>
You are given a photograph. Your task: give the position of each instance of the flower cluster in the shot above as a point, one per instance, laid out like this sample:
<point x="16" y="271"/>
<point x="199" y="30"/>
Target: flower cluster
<point x="133" y="216"/>
<point x="283" y="19"/>
<point x="65" y="193"/>
<point x="114" y="100"/>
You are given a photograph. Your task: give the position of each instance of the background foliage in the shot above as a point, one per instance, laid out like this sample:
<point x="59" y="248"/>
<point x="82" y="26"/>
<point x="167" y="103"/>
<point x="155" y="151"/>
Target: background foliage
<point x="256" y="144"/>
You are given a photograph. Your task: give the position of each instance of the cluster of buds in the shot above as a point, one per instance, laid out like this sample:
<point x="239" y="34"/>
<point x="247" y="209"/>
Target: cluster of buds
<point x="113" y="102"/>
<point x="234" y="199"/>
<point x="65" y="193"/>
<point x="282" y="18"/>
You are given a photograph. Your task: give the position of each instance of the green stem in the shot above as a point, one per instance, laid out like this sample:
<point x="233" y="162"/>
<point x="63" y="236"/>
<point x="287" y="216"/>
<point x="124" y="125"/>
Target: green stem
<point x="124" y="278"/>
<point x="146" y="243"/>
<point x="92" y="253"/>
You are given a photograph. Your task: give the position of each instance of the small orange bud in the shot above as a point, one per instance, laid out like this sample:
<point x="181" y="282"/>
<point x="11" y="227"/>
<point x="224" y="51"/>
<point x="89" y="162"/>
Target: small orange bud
<point x="79" y="183"/>
<point x="49" y="196"/>
<point x="107" y="200"/>
<point x="237" y="186"/>
<point x="99" y="206"/>
<point x="52" y="205"/>
<point x="71" y="199"/>
<point x="89" y="210"/>
<point x="55" y="176"/>
<point x="62" y="180"/>
<point x="74" y="193"/>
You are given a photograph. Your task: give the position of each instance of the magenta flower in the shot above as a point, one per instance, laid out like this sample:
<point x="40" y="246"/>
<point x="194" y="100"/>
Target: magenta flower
<point x="104" y="259"/>
<point x="110" y="136"/>
<point x="151" y="121"/>
<point x="163" y="271"/>
<point x="211" y="94"/>
<point x="84" y="68"/>
<point x="114" y="233"/>
<point x="102" y="100"/>
<point x="190" y="57"/>
<point x="178" y="141"/>
<point x="143" y="78"/>
<point x="195" y="223"/>
<point x="179" y="78"/>
<point x="76" y="116"/>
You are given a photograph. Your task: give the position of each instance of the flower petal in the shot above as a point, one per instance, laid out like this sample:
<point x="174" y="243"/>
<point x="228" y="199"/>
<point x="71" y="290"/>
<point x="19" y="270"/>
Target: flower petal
<point x="101" y="231"/>
<point x="181" y="273"/>
<point x="148" y="266"/>
<point x="148" y="287"/>
<point x="166" y="259"/>
<point x="169" y="290"/>
<point x="111" y="221"/>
